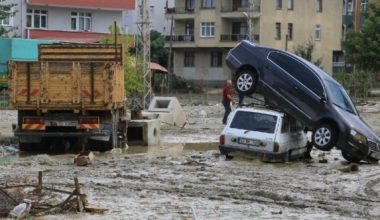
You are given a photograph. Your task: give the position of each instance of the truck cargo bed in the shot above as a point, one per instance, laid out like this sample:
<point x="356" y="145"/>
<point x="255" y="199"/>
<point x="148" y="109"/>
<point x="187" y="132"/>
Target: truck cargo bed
<point x="63" y="85"/>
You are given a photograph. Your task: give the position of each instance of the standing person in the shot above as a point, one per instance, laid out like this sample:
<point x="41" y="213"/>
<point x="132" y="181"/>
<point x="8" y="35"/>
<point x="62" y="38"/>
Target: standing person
<point x="241" y="99"/>
<point x="227" y="100"/>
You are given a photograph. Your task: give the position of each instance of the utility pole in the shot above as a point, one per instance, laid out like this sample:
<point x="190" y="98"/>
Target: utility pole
<point x="144" y="27"/>
<point x="249" y="16"/>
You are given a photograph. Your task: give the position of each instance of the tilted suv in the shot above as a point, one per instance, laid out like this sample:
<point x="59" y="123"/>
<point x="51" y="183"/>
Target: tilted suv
<point x="307" y="93"/>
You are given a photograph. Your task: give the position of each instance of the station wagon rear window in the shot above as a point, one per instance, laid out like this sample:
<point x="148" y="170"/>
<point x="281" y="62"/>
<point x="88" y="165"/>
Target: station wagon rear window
<point x="254" y="121"/>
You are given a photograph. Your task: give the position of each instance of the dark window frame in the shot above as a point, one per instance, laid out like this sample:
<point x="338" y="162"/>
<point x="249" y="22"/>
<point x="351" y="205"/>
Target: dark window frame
<point x="290" y="31"/>
<point x="278" y="4"/>
<point x="290" y="5"/>
<point x="278" y="31"/>
<point x="188" y="59"/>
<point x="216" y="58"/>
<point x="207" y="4"/>
<point x="319" y="5"/>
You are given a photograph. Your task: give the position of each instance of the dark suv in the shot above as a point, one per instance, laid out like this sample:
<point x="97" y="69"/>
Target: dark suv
<point x="308" y="94"/>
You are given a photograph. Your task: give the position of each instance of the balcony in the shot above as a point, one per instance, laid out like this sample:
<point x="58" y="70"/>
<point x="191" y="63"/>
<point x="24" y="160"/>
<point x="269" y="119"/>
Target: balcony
<point x="180" y="38"/>
<point x="233" y="37"/>
<point x="238" y="37"/>
<point x="238" y="12"/>
<point x="180" y="13"/>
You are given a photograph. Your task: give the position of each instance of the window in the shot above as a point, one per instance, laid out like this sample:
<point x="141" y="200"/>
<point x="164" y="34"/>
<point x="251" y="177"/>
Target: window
<point x="189" y="4"/>
<point x="317" y="32"/>
<point x="285" y="125"/>
<point x="151" y="11"/>
<point x="207" y="29"/>
<point x="254" y="121"/>
<point x="364" y="5"/>
<point x="7" y="21"/>
<point x="278" y="31"/>
<point x="349" y="6"/>
<point x="303" y="74"/>
<point x="319" y="6"/>
<point x="36" y="18"/>
<point x="189" y="59"/>
<point x="279" y="4"/>
<point x="189" y="29"/>
<point x="81" y="21"/>
<point x="290" y="5"/>
<point x="290" y="31"/>
<point x="216" y="59"/>
<point x="208" y="4"/>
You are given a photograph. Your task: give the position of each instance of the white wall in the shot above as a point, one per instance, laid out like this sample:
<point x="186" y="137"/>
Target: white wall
<point x="60" y="18"/>
<point x="18" y="21"/>
<point x="158" y="21"/>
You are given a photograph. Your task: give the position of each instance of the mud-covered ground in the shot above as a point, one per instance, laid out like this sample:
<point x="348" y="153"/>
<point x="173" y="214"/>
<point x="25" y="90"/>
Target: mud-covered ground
<point x="187" y="178"/>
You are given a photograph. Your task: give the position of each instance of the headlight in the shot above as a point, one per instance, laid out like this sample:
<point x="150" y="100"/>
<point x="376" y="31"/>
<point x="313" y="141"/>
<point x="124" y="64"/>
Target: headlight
<point x="359" y="137"/>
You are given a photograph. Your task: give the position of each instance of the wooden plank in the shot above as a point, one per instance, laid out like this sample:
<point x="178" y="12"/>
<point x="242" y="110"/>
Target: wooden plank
<point x="81" y="52"/>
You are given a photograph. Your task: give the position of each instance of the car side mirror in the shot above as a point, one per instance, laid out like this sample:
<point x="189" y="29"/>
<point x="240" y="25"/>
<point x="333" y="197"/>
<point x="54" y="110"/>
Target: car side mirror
<point x="322" y="100"/>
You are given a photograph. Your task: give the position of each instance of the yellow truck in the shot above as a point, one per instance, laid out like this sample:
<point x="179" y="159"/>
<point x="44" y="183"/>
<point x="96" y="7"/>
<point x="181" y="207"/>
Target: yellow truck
<point x="73" y="95"/>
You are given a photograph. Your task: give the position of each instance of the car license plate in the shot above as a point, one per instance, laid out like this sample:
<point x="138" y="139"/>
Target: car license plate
<point x="248" y="141"/>
<point x="375" y="155"/>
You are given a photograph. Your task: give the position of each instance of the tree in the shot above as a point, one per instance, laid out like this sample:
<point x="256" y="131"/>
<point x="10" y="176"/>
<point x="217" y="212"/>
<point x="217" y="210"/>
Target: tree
<point x="306" y="51"/>
<point x="5" y="13"/>
<point x="362" y="48"/>
<point x="158" y="52"/>
<point x="133" y="79"/>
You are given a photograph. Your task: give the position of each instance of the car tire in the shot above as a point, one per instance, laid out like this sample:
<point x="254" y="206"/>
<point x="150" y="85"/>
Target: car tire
<point x="324" y="137"/>
<point x="245" y="81"/>
<point x="350" y="158"/>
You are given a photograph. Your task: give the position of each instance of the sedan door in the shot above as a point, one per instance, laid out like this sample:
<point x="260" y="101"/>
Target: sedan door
<point x="304" y="89"/>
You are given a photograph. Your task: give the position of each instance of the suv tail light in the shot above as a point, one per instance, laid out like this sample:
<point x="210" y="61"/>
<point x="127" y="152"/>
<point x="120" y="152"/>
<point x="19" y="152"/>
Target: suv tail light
<point x="276" y="147"/>
<point x="221" y="139"/>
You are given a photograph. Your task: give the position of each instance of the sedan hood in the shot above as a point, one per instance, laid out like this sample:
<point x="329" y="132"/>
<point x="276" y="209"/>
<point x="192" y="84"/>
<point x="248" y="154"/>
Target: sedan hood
<point x="358" y="124"/>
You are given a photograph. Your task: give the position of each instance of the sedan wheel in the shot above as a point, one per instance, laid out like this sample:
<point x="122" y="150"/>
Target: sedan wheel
<point x="245" y="82"/>
<point x="324" y="137"/>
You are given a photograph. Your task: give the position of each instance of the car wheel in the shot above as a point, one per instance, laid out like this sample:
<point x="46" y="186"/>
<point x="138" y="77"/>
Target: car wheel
<point x="350" y="158"/>
<point x="245" y="82"/>
<point x="324" y="137"/>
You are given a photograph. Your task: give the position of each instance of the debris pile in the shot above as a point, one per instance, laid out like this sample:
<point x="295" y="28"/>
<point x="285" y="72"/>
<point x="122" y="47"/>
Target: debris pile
<point x="19" y="201"/>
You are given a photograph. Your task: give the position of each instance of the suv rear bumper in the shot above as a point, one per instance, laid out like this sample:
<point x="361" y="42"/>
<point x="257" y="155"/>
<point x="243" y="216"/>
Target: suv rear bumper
<point x="267" y="156"/>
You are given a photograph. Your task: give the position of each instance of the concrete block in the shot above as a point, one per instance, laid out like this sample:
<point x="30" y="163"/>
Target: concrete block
<point x="169" y="110"/>
<point x="145" y="132"/>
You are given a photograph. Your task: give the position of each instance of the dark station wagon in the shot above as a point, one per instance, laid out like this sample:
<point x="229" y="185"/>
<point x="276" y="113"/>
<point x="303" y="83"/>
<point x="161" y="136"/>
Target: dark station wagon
<point x="307" y="93"/>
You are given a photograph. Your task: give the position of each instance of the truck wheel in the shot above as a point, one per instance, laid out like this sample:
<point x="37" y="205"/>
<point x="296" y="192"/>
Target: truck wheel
<point x="350" y="158"/>
<point x="25" y="146"/>
<point x="245" y="81"/>
<point x="324" y="137"/>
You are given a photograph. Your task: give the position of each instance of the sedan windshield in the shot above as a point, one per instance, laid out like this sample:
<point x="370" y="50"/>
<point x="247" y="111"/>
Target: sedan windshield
<point x="254" y="121"/>
<point x="339" y="97"/>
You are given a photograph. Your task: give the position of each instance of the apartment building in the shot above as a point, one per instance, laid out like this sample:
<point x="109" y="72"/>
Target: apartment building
<point x="67" y="20"/>
<point x="14" y="24"/>
<point x="351" y="21"/>
<point x="204" y="31"/>
<point x="156" y="12"/>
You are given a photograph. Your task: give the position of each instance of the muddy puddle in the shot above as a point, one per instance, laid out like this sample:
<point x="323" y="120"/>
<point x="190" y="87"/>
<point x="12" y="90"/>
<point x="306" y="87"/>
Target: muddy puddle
<point x="165" y="148"/>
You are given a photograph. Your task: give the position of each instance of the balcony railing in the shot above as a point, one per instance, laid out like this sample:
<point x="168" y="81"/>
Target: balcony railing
<point x="233" y="37"/>
<point x="180" y="38"/>
<point x="238" y="37"/>
<point x="240" y="9"/>
<point x="179" y="10"/>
